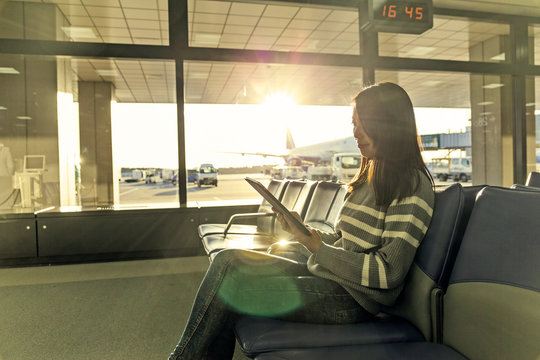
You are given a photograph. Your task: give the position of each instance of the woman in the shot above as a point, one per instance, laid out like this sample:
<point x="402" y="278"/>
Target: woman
<point x="350" y="273"/>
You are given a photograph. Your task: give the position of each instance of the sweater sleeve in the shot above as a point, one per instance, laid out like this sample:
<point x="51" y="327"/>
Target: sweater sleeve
<point x="384" y="263"/>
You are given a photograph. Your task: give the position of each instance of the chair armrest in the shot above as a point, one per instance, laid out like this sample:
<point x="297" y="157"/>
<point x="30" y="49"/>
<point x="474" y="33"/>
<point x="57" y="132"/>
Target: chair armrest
<point x="235" y="217"/>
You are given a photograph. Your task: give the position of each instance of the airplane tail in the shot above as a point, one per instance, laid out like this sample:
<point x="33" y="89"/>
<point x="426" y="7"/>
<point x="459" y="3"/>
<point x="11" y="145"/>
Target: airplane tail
<point x="290" y="142"/>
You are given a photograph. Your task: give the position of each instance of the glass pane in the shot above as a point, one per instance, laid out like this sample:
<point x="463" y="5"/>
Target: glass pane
<point x="73" y="127"/>
<point x="451" y="39"/>
<point x="534" y="43"/>
<point x="443" y="118"/>
<point x="114" y="21"/>
<point x="463" y="116"/>
<point x="533" y="125"/>
<point x="285" y="26"/>
<point x="264" y="120"/>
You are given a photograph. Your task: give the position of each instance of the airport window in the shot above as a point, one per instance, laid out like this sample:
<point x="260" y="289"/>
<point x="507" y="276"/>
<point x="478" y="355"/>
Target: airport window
<point x="260" y="120"/>
<point x="451" y="38"/>
<point x="469" y="117"/>
<point x="285" y="26"/>
<point x="119" y="22"/>
<point x="534" y="36"/>
<point x="88" y="132"/>
<point x="533" y="124"/>
<point x="454" y="111"/>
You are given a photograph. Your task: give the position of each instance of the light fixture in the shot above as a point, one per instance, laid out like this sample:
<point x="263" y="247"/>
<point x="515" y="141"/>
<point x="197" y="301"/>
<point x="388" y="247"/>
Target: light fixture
<point x="420" y="50"/>
<point x="432" y="82"/>
<point x="499" y="57"/>
<point x="3" y="108"/>
<point x="198" y="75"/>
<point x="206" y="39"/>
<point x="8" y="71"/>
<point x="79" y="32"/>
<point x="493" y="86"/>
<point x="107" y="72"/>
<point x="24" y="117"/>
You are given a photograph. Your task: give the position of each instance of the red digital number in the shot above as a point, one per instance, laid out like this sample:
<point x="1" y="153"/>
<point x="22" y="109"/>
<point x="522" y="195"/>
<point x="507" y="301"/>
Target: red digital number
<point x="409" y="11"/>
<point x="392" y="11"/>
<point x="419" y="14"/>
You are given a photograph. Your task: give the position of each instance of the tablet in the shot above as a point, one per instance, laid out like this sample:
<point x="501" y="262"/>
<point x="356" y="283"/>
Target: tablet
<point x="261" y="189"/>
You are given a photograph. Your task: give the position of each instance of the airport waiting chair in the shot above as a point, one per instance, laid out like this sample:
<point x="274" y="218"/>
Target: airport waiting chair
<point x="416" y="315"/>
<point x="533" y="179"/>
<point x="295" y="198"/>
<point x="321" y="214"/>
<point x="491" y="303"/>
<point x="264" y="215"/>
<point x="524" y="187"/>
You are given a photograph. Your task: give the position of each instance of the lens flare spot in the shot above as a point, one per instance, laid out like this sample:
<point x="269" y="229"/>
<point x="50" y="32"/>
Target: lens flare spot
<point x="260" y="291"/>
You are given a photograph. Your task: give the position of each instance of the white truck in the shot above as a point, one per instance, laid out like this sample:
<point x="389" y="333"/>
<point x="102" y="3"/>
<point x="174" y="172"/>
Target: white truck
<point x="345" y="166"/>
<point x="457" y="169"/>
<point x="206" y="175"/>
<point x="134" y="175"/>
<point x="288" y="172"/>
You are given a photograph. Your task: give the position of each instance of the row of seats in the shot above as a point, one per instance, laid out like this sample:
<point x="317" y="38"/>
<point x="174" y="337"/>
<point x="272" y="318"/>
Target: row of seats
<point x="473" y="291"/>
<point x="318" y="204"/>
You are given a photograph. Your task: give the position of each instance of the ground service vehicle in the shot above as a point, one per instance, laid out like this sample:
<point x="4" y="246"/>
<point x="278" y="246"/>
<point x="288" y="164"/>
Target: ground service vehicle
<point x="457" y="169"/>
<point x="206" y="175"/>
<point x="345" y="166"/>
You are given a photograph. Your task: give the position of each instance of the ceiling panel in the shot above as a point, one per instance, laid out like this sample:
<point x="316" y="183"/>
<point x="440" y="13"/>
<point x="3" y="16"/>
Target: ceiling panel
<point x="271" y="26"/>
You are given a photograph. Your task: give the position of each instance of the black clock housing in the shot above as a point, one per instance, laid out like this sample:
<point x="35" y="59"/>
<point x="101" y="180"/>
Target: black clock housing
<point x="399" y="16"/>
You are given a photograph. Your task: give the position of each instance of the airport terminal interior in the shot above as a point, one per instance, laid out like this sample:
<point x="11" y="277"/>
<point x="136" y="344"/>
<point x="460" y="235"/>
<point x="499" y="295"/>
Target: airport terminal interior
<point x="126" y="124"/>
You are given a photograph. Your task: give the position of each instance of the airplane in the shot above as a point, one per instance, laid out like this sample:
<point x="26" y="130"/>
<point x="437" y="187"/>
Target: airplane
<point x="314" y="154"/>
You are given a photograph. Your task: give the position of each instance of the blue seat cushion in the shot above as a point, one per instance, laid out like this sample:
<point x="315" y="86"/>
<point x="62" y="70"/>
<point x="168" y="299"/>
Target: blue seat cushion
<point x="259" y="335"/>
<point x="401" y="351"/>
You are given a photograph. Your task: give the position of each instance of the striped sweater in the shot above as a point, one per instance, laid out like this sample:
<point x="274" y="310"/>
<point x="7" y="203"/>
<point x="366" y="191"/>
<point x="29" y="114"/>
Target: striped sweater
<point x="374" y="246"/>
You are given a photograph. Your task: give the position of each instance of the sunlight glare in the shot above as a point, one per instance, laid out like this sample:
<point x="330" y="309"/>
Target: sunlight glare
<point x="279" y="100"/>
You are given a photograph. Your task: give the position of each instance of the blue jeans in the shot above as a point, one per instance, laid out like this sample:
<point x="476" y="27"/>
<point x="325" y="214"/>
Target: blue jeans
<point x="243" y="282"/>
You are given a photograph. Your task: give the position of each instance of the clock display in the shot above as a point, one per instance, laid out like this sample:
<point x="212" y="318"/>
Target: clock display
<point x="402" y="11"/>
<point x="401" y="16"/>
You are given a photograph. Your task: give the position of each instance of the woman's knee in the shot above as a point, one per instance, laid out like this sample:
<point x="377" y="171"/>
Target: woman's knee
<point x="228" y="256"/>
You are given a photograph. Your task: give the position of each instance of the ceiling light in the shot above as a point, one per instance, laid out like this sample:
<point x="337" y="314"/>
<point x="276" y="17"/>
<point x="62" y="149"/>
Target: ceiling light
<point x="530" y="104"/>
<point x="8" y="70"/>
<point x="499" y="57"/>
<point x="420" y="50"/>
<point x="206" y="39"/>
<point x="198" y="75"/>
<point x="107" y="72"/>
<point x="155" y="76"/>
<point x="79" y="32"/>
<point x="24" y="117"/>
<point x="431" y="82"/>
<point x="3" y="108"/>
<point x="493" y="86"/>
<point x="486" y="103"/>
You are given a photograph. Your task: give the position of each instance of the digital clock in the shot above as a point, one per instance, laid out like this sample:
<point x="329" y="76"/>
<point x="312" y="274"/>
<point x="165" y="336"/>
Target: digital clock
<point x="401" y="16"/>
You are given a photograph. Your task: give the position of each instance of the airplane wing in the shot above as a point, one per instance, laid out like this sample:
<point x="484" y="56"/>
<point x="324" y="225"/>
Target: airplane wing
<point x="282" y="156"/>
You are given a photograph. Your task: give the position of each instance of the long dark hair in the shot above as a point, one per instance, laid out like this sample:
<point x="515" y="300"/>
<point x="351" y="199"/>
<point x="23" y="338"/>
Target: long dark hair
<point x="386" y="114"/>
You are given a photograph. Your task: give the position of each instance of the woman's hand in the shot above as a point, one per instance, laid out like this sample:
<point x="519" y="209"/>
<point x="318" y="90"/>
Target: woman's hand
<point x="312" y="242"/>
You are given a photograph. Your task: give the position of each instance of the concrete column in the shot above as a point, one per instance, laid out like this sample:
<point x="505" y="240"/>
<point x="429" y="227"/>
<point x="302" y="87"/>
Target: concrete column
<point x="491" y="124"/>
<point x="96" y="143"/>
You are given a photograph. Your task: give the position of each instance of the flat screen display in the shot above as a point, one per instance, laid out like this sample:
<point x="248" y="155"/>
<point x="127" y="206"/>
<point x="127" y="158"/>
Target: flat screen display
<point x="34" y="162"/>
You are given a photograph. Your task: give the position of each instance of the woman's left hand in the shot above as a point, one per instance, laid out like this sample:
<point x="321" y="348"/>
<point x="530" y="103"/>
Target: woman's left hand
<point x="312" y="242"/>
